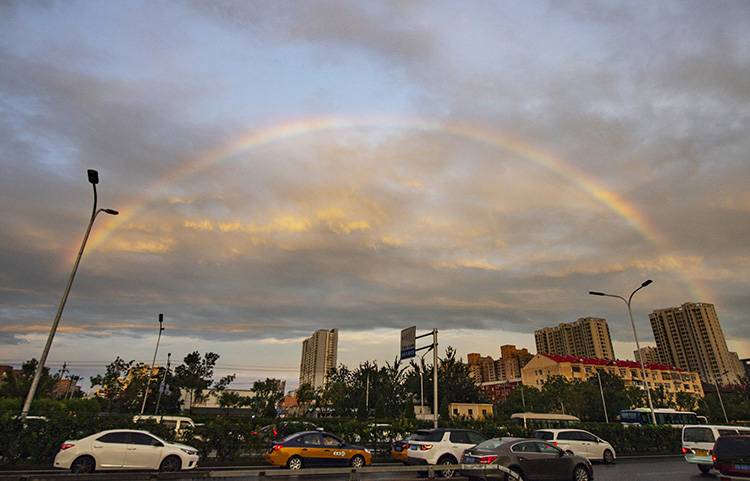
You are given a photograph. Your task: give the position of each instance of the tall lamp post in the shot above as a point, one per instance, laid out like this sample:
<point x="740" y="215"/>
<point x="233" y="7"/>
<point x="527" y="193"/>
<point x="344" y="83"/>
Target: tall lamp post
<point x="93" y="179"/>
<point x="718" y="393"/>
<point x="153" y="363"/>
<point x="635" y="336"/>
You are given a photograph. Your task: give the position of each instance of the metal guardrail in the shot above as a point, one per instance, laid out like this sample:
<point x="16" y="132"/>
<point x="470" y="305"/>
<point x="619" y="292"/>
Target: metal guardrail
<point x="353" y="474"/>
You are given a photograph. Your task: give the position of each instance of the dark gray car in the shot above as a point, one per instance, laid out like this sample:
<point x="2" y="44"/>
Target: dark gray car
<point x="531" y="459"/>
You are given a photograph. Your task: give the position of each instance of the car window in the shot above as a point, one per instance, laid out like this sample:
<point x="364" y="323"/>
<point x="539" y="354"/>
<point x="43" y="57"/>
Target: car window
<point x="170" y="423"/>
<point x="311" y="439"/>
<point x="120" y="437"/>
<point x="144" y="440"/>
<point x="525" y="448"/>
<point x="329" y="440"/>
<point x="568" y="436"/>
<point x="698" y="435"/>
<point x="586" y="436"/>
<point x="546" y="435"/>
<point x="431" y="436"/>
<point x="732" y="447"/>
<point x="459" y="437"/>
<point x="475" y="438"/>
<point x="727" y="432"/>
<point x="547" y="448"/>
<point x="490" y="444"/>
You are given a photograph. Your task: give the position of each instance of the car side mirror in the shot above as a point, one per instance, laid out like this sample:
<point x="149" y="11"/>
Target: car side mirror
<point x="562" y="453"/>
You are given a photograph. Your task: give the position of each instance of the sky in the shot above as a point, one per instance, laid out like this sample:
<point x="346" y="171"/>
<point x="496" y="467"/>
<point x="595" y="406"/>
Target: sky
<point x="281" y="167"/>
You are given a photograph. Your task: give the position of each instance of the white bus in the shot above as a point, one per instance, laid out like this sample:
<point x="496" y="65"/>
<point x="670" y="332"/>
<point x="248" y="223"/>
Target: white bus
<point x="672" y="417"/>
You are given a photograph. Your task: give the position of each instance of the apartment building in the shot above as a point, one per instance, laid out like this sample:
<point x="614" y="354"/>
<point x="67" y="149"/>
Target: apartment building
<point x="649" y="354"/>
<point x="585" y="337"/>
<point x="484" y="369"/>
<point x="319" y="353"/>
<point x="690" y="337"/>
<point x="672" y="379"/>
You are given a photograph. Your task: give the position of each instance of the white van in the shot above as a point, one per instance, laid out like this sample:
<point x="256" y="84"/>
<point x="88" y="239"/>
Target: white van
<point x="180" y="424"/>
<point x="698" y="442"/>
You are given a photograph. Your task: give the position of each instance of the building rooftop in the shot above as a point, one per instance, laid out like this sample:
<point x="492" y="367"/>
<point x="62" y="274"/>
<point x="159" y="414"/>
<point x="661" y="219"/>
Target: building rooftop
<point x="604" y="362"/>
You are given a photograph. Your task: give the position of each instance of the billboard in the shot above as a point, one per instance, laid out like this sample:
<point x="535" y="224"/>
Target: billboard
<point x="409" y="342"/>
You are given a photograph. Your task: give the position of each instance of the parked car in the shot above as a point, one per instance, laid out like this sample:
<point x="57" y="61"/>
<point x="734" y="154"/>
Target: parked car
<point x="182" y="425"/>
<point x="530" y="459"/>
<point x="124" y="449"/>
<point x="443" y="446"/>
<point x="732" y="456"/>
<point x="316" y="448"/>
<point x="580" y="442"/>
<point x="698" y="442"/>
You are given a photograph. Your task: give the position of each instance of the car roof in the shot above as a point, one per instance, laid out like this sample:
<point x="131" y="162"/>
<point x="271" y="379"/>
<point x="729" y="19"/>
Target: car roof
<point x="561" y="430"/>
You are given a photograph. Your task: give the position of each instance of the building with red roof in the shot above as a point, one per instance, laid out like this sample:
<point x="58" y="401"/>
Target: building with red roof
<point x="673" y="380"/>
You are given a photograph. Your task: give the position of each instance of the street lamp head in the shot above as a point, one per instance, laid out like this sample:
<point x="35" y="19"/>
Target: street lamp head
<point x="93" y="176"/>
<point x="595" y="293"/>
<point x="110" y="211"/>
<point x="647" y="282"/>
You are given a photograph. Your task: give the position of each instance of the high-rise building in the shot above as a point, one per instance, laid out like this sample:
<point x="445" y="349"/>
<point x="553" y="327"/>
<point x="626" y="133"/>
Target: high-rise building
<point x="318" y="356"/>
<point x="586" y="337"/>
<point x="746" y="365"/>
<point x="649" y="354"/>
<point x="690" y="337"/>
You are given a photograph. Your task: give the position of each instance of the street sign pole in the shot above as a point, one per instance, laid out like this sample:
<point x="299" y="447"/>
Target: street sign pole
<point x="409" y="349"/>
<point x="434" y="379"/>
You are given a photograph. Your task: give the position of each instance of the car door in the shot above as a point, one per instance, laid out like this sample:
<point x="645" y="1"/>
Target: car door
<point x="570" y="441"/>
<point x="109" y="450"/>
<point x="333" y="452"/>
<point x="531" y="461"/>
<point x="553" y="464"/>
<point x="590" y="445"/>
<point x="143" y="452"/>
<point x="311" y="449"/>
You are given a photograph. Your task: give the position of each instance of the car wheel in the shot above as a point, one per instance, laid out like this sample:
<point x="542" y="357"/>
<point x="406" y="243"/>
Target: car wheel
<point x="357" y="461"/>
<point x="447" y="461"/>
<point x="608" y="457"/>
<point x="82" y="465"/>
<point x="705" y="468"/>
<point x="518" y="475"/>
<point x="294" y="463"/>
<point x="170" y="464"/>
<point x="581" y="474"/>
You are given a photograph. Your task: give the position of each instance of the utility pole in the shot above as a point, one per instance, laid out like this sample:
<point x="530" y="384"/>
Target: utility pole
<point x="163" y="385"/>
<point x="153" y="363"/>
<point x="367" y="396"/>
<point x="435" y="377"/>
<point x="604" y="404"/>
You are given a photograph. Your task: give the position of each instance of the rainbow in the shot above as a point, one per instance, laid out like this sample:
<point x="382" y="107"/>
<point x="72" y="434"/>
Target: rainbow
<point x="471" y="132"/>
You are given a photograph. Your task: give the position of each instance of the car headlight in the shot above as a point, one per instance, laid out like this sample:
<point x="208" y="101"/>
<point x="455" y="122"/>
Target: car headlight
<point x="368" y="451"/>
<point x="191" y="452"/>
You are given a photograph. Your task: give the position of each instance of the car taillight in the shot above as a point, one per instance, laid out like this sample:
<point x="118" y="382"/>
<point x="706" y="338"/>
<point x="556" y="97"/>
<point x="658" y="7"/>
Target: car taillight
<point x="554" y="443"/>
<point x="275" y="433"/>
<point x="277" y="447"/>
<point x="713" y="458"/>
<point x="487" y="459"/>
<point x="686" y="450"/>
<point x="254" y="433"/>
<point x="65" y="446"/>
<point x="425" y="447"/>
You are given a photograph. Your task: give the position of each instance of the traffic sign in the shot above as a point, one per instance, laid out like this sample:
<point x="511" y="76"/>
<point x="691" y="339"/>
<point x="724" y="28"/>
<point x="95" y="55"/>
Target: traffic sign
<point x="409" y="342"/>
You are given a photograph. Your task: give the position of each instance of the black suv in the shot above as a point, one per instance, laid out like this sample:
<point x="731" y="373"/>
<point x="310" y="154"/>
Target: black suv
<point x="732" y="456"/>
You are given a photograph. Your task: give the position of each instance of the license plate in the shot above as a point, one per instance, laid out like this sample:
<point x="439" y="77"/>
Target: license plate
<point x="742" y="467"/>
<point x="469" y="460"/>
<point x="397" y="449"/>
<point x="414" y="447"/>
<point x="700" y="452"/>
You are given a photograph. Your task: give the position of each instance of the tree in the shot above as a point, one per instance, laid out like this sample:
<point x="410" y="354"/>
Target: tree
<point x="123" y="385"/>
<point x="17" y="382"/>
<point x="196" y="375"/>
<point x="266" y="394"/>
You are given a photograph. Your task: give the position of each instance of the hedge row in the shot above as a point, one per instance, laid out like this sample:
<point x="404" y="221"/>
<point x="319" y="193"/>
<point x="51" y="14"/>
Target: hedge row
<point x="234" y="439"/>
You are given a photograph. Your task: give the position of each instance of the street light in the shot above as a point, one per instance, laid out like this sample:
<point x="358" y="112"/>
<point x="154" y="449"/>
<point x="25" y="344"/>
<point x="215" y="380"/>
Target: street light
<point x="718" y="393"/>
<point x="635" y="336"/>
<point x="153" y="363"/>
<point x="93" y="179"/>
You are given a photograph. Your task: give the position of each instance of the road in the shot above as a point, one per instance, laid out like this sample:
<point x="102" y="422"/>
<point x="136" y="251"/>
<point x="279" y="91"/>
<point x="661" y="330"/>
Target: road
<point x="658" y="469"/>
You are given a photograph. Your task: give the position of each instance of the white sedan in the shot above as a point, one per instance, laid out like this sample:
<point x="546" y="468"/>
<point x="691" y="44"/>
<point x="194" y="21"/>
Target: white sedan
<point x="124" y="449"/>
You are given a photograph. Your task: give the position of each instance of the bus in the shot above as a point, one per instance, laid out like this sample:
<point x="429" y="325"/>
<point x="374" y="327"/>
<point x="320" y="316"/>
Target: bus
<point x="672" y="417"/>
<point x="544" y="420"/>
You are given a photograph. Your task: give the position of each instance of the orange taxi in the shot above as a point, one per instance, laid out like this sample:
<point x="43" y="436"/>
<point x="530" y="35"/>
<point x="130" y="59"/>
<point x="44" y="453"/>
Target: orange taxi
<point x="316" y="448"/>
<point x="400" y="450"/>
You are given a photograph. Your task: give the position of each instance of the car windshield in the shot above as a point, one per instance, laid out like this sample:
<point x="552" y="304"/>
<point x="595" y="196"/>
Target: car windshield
<point x="546" y="435"/>
<point x="431" y="436"/>
<point x="489" y="445"/>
